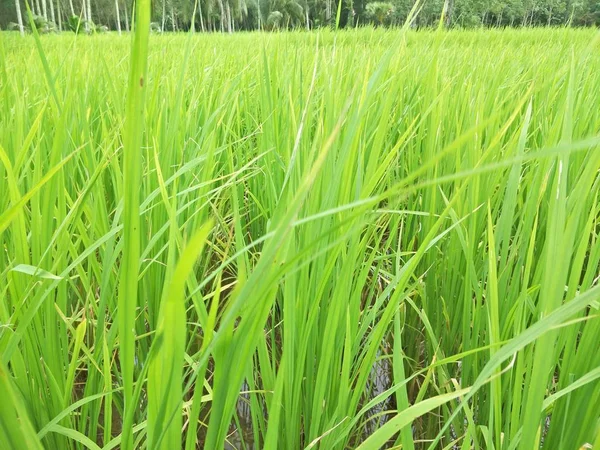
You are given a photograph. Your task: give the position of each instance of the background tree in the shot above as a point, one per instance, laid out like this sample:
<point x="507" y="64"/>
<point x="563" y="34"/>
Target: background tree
<point x="380" y="12"/>
<point x="236" y="15"/>
<point x="19" y="16"/>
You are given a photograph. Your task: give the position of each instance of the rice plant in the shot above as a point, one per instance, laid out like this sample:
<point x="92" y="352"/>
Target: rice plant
<point x="355" y="239"/>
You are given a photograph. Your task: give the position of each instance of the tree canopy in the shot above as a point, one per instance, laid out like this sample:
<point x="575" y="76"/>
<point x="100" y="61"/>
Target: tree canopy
<point x="234" y="15"/>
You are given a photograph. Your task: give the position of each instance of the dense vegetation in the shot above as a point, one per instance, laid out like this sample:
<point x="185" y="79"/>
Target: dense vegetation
<point x="234" y="15"/>
<point x="332" y="240"/>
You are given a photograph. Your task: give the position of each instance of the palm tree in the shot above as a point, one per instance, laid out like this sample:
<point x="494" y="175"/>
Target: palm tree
<point x="58" y="15"/>
<point x="44" y="10"/>
<point x="86" y="19"/>
<point x="89" y="10"/>
<point x="200" y="16"/>
<point x="305" y="7"/>
<point x="284" y="13"/>
<point x="173" y="18"/>
<point x="228" y="17"/>
<point x="222" y="15"/>
<point x="238" y="11"/>
<point x="52" y="16"/>
<point x="126" y="18"/>
<point x="19" y="17"/>
<point x="118" y="16"/>
<point x="293" y="13"/>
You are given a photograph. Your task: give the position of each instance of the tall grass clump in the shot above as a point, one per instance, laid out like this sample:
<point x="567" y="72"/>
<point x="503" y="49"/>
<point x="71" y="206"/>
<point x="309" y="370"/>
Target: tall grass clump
<point x="344" y="239"/>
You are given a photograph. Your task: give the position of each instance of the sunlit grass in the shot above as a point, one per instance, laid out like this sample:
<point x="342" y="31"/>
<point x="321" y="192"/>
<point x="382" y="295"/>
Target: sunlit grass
<point x="315" y="211"/>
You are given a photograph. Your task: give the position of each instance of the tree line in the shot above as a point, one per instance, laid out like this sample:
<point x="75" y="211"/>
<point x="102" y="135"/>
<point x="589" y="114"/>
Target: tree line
<point x="234" y="15"/>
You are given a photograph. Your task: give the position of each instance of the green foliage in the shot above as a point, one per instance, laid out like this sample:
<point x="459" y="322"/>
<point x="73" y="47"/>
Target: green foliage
<point x="359" y="239"/>
<point x="127" y="301"/>
<point x="42" y="25"/>
<point x="233" y="15"/>
<point x="283" y="14"/>
<point x="275" y="20"/>
<point x="76" y="24"/>
<point x="380" y="12"/>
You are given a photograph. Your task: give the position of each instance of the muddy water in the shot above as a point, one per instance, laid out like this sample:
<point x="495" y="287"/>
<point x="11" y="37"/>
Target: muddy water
<point x="242" y="437"/>
<point x="380" y="380"/>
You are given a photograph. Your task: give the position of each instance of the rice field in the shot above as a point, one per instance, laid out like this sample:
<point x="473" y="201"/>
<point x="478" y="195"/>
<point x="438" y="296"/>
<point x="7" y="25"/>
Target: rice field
<point x="359" y="239"/>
